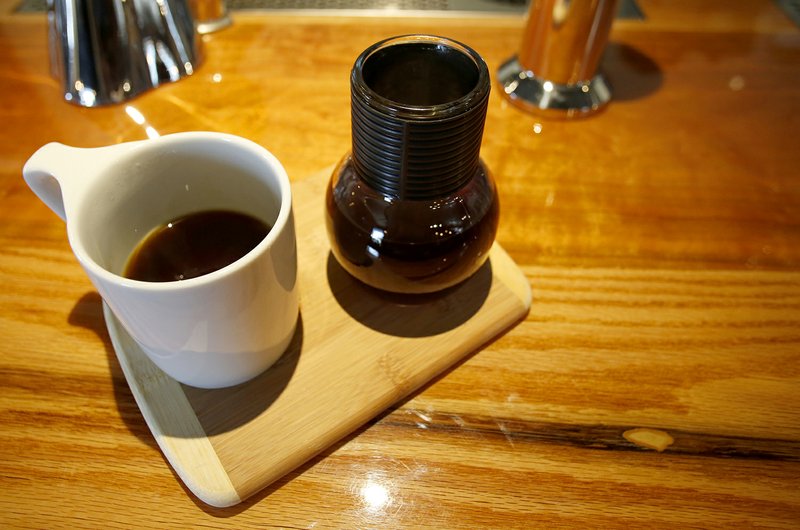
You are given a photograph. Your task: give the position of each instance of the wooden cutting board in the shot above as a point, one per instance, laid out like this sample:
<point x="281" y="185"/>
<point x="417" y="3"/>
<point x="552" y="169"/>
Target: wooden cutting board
<point x="356" y="352"/>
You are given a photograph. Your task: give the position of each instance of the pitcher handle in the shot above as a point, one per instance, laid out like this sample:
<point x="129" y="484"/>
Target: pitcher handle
<point x="58" y="173"/>
<point x="40" y="172"/>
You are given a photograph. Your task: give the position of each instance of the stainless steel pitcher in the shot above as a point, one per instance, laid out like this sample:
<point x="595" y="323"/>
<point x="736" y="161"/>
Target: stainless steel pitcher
<point x="108" y="51"/>
<point x="555" y="71"/>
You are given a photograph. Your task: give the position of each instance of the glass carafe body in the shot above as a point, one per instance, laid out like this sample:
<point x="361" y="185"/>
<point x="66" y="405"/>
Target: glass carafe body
<point x="413" y="208"/>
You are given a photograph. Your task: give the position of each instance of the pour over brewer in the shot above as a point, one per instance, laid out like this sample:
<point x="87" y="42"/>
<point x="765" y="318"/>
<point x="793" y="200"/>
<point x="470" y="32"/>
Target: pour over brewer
<point x="413" y="208"/>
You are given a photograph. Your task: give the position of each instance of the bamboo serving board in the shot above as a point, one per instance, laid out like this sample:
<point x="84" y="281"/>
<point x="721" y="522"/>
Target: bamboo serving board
<point x="356" y="352"/>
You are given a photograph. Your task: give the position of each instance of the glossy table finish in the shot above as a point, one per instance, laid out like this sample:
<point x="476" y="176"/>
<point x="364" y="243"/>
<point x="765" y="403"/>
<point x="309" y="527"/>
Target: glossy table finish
<point x="655" y="381"/>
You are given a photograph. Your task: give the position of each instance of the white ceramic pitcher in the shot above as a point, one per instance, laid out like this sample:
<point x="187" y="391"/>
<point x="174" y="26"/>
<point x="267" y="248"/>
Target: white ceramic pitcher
<point x="212" y="331"/>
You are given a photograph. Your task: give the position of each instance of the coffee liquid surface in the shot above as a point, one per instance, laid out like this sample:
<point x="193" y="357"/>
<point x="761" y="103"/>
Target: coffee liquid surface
<point x="194" y="245"/>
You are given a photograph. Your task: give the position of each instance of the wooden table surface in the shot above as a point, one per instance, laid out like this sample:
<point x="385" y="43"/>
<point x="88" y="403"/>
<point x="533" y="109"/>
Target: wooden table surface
<point x="655" y="382"/>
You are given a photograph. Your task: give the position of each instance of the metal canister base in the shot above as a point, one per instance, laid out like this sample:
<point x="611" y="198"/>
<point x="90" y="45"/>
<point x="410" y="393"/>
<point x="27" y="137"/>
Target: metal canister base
<point x="540" y="96"/>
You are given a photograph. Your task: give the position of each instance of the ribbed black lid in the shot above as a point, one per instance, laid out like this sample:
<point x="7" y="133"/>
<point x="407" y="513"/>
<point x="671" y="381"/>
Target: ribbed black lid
<point x="418" y="107"/>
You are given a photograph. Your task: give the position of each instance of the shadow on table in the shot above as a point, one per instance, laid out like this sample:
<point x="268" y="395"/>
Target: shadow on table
<point x="212" y="407"/>
<point x="88" y="313"/>
<point x="632" y="74"/>
<point x="409" y="315"/>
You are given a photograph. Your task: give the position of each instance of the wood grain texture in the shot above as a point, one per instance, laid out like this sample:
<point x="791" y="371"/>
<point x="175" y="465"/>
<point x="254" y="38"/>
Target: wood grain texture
<point x="661" y="240"/>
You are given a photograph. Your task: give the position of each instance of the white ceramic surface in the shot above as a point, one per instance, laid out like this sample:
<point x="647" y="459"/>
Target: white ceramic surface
<point x="212" y="331"/>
